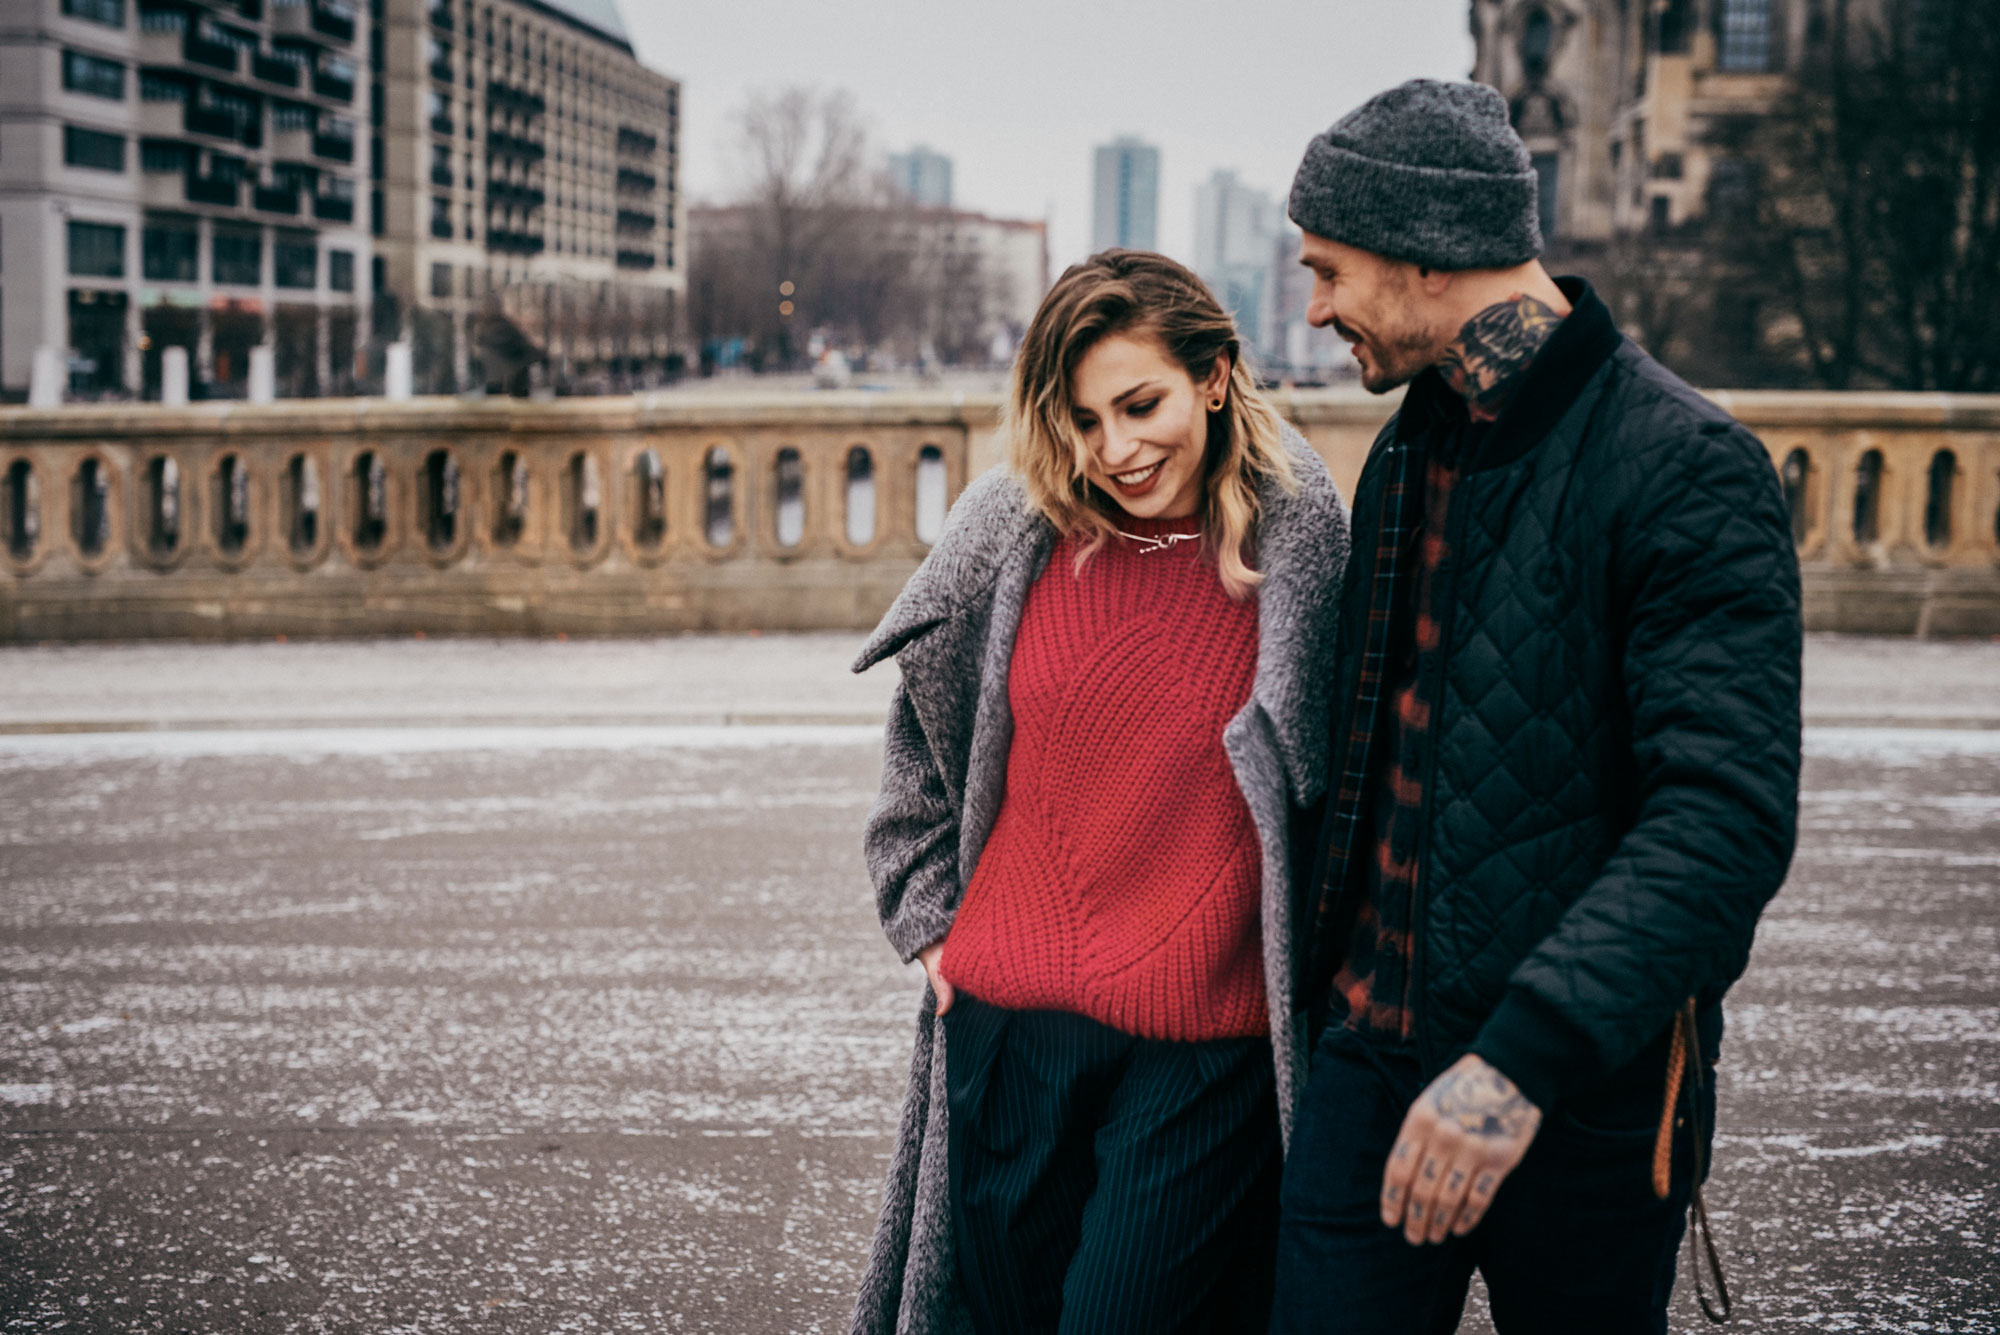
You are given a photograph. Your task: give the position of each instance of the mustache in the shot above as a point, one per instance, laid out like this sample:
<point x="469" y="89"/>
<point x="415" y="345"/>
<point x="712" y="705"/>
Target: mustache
<point x="1346" y="335"/>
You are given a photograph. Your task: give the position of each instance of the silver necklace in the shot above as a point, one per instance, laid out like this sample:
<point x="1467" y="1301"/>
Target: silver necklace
<point x="1160" y="544"/>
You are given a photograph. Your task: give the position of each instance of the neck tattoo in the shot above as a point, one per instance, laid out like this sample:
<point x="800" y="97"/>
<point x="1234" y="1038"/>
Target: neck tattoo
<point x="1484" y="364"/>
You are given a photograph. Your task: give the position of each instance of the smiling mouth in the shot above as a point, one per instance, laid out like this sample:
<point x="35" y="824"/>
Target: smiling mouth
<point x="1139" y="478"/>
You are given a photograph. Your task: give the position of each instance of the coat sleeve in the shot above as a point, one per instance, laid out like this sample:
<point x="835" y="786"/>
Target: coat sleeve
<point x="911" y="840"/>
<point x="1709" y="583"/>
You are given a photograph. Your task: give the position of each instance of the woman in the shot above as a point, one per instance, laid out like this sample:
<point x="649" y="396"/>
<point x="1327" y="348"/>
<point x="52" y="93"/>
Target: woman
<point x="1111" y="721"/>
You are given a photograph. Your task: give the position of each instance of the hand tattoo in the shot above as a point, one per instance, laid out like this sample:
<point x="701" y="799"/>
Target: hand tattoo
<point x="1484" y="364"/>
<point x="1482" y="1103"/>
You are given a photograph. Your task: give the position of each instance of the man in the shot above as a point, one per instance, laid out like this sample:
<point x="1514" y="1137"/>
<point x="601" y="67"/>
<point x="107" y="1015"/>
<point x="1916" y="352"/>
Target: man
<point x="1565" y="761"/>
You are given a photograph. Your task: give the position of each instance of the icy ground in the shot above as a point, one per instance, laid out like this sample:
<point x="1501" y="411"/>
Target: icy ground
<point x="483" y="986"/>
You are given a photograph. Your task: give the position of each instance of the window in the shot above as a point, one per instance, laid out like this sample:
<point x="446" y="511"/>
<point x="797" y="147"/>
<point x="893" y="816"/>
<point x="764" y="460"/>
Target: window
<point x="93" y="149"/>
<point x="111" y="13"/>
<point x="158" y="87"/>
<point x="340" y="270"/>
<point x="440" y="280"/>
<point x="167" y="253"/>
<point x="296" y="262"/>
<point x="1745" y="39"/>
<point x="440" y="216"/>
<point x="96" y="250"/>
<point x="1662" y="214"/>
<point x="238" y="258"/>
<point x="88" y="74"/>
<point x="164" y="155"/>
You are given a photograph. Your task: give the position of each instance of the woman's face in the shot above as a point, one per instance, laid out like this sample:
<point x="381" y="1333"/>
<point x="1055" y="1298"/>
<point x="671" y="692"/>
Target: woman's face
<point x="1144" y="424"/>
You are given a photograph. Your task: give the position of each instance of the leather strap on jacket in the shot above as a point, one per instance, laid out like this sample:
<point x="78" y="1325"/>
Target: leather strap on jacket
<point x="1684" y="1068"/>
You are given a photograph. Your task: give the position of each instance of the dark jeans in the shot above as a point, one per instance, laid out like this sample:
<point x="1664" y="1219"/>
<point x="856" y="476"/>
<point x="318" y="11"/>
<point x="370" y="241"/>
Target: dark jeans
<point x="1575" y="1241"/>
<point x="1103" y="1183"/>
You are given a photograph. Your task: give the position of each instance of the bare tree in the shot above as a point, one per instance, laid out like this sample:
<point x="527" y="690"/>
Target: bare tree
<point x="1876" y="210"/>
<point x="816" y="240"/>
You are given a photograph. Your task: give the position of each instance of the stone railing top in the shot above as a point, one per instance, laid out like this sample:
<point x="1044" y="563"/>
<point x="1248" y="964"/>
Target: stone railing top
<point x="606" y="413"/>
<point x="842" y="408"/>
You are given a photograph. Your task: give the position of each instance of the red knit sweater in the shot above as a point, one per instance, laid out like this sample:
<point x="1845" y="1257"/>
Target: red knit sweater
<point x="1121" y="878"/>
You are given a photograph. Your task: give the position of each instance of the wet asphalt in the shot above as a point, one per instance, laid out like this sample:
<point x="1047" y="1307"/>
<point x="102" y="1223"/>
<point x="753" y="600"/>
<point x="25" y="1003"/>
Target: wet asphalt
<point x="590" y="1028"/>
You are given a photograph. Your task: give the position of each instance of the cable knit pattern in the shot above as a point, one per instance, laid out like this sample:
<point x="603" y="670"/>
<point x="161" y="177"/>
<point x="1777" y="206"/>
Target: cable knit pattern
<point x="1121" y="879"/>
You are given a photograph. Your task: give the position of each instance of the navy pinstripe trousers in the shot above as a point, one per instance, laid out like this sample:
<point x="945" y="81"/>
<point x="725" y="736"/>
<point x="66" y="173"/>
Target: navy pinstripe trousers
<point x="1102" y="1183"/>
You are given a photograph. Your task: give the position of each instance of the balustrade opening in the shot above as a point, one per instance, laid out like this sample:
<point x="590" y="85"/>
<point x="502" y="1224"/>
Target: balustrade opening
<point x="790" y="476"/>
<point x="1937" y="499"/>
<point x="23" y="510"/>
<point x="649" y="499"/>
<point x="510" y="494"/>
<point x="301" y="504"/>
<point x="163" y="506"/>
<point x="860" y="496"/>
<point x="440" y="500"/>
<point x="232" y="504"/>
<point x="371" y="501"/>
<point x="1868" y="497"/>
<point x="90" y="507"/>
<point x="584" y="501"/>
<point x="718" y="492"/>
<point x="930" y="494"/>
<point x="1794" y="475"/>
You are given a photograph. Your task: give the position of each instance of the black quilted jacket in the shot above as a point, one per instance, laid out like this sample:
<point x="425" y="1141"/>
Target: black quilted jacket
<point x="1612" y="792"/>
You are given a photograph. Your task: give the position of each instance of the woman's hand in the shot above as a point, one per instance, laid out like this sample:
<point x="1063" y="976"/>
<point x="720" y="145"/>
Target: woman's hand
<point x="930" y="955"/>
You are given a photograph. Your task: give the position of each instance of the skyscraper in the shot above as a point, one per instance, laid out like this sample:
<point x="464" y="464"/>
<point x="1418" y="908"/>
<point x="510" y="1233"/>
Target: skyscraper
<point x="924" y="175"/>
<point x="1127" y="195"/>
<point x="1234" y="230"/>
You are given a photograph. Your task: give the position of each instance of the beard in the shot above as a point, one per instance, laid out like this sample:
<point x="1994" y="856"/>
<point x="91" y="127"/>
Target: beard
<point x="1394" y="357"/>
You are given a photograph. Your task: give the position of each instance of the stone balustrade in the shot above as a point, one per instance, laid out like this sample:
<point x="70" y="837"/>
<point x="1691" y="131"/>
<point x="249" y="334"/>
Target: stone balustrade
<point x="687" y="511"/>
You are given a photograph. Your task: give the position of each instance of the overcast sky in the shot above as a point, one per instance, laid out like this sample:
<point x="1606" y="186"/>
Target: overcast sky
<point x="1017" y="92"/>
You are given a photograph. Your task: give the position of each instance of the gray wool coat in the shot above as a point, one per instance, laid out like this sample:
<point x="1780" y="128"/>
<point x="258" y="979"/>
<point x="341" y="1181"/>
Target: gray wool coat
<point x="944" y="772"/>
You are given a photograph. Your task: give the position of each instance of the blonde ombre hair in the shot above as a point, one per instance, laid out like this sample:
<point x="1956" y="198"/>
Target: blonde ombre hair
<point x="1137" y="292"/>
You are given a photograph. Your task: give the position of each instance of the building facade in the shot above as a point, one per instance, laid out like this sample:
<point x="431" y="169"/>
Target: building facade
<point x="1125" y="189"/>
<point x="529" y="169"/>
<point x="1627" y="107"/>
<point x="1236" y="229"/>
<point x="180" y="174"/>
<point x="922" y="176"/>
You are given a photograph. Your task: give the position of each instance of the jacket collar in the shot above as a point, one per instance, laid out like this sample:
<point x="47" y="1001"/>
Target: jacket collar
<point x="1581" y="344"/>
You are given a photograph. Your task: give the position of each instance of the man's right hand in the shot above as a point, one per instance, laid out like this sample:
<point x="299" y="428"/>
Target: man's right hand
<point x="930" y="955"/>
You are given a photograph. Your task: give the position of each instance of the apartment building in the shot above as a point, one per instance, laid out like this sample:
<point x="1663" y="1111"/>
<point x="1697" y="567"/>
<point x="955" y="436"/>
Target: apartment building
<point x="181" y="173"/>
<point x="526" y="166"/>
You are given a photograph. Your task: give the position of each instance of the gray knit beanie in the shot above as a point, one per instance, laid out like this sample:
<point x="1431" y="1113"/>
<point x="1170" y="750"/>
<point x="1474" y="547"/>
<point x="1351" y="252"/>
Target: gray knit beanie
<point x="1428" y="172"/>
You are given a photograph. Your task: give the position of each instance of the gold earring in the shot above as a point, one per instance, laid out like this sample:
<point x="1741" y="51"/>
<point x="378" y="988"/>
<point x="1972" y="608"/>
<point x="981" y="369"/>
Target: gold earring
<point x="1215" y="405"/>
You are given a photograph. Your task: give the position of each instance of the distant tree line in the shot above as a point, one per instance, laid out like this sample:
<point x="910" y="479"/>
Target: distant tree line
<point x="815" y="243"/>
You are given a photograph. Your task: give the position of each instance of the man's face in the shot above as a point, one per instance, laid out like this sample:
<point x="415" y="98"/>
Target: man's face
<point x="1377" y="305"/>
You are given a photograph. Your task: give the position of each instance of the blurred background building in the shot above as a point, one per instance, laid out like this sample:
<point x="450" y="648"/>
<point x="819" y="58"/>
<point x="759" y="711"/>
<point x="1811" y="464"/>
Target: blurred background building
<point x="527" y="209"/>
<point x="1125" y="189"/>
<point x="923" y="175"/>
<point x="181" y="174"/>
<point x="1771" y="192"/>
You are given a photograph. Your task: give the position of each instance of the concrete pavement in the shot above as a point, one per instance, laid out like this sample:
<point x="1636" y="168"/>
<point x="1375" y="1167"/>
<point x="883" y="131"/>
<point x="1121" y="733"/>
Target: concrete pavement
<point x="415" y="1001"/>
